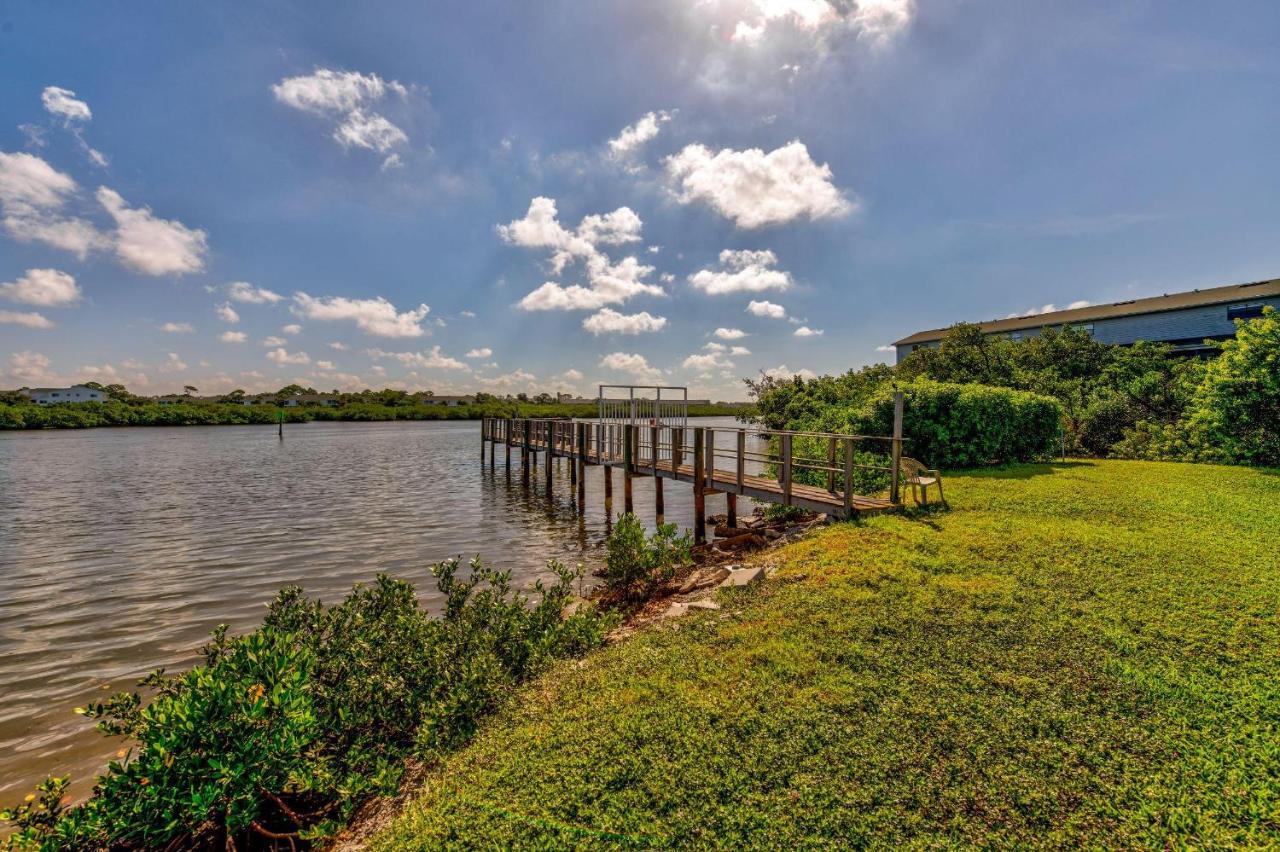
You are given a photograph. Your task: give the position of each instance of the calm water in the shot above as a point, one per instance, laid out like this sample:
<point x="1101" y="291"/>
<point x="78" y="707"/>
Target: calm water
<point x="120" y="549"/>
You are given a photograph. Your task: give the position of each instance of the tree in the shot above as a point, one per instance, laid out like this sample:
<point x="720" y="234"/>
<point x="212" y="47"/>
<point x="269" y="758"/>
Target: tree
<point x="190" y="389"/>
<point x="1236" y="407"/>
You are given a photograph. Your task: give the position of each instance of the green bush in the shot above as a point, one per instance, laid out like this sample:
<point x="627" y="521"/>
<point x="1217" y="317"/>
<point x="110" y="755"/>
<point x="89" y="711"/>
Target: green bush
<point x="953" y="426"/>
<point x="279" y="734"/>
<point x="634" y="565"/>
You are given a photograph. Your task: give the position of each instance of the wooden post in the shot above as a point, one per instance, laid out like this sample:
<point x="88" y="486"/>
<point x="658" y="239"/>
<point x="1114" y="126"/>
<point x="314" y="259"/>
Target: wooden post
<point x="583" y="432"/>
<point x="608" y="490"/>
<point x="896" y="465"/>
<point x="493" y="444"/>
<point x="659" y="508"/>
<point x="699" y="497"/>
<point x="848" y="477"/>
<point x="677" y="450"/>
<point x="281" y="417"/>
<point x="831" y="463"/>
<point x="524" y="451"/>
<point x="628" y="462"/>
<point x="731" y="507"/>
<point x="575" y="437"/>
<point x="710" y="459"/>
<point x="742" y="458"/>
<point x="550" y="456"/>
<point x="506" y="433"/>
<point x="786" y="469"/>
<point x="653" y="449"/>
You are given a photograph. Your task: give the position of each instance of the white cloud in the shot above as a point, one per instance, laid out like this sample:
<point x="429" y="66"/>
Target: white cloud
<point x="805" y="331"/>
<point x="743" y="271"/>
<point x="1050" y="308"/>
<point x="226" y="313"/>
<point x="178" y="327"/>
<point x="635" y="365"/>
<point x="782" y="372"/>
<point x="432" y="359"/>
<point x="30" y="319"/>
<point x="715" y="356"/>
<point x="233" y="337"/>
<point x="609" y="321"/>
<point x="876" y="21"/>
<point x="151" y="245"/>
<point x="291" y="328"/>
<point x="280" y="356"/>
<point x="339" y="345"/>
<point x="32" y="193"/>
<point x="45" y="287"/>
<point x="243" y="291"/>
<point x="64" y="104"/>
<point x="347" y="96"/>
<point x="374" y="316"/>
<point x="886" y="348"/>
<point x="572" y="375"/>
<point x="372" y="131"/>
<point x="730" y="333"/>
<point x="324" y="365"/>
<point x="467" y="314"/>
<point x="634" y="136"/>
<point x="29" y="368"/>
<point x="739" y="351"/>
<point x="766" y="309"/>
<point x="273" y="340"/>
<point x="610" y="283"/>
<point x="173" y="364"/>
<point x="482" y="352"/>
<point x="755" y="189"/>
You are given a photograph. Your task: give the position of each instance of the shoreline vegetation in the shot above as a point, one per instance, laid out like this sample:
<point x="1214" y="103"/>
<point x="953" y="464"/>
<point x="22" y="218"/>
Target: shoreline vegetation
<point x="142" y="412"/>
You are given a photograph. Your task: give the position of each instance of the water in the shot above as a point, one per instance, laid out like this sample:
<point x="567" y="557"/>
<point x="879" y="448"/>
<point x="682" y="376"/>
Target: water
<point x="120" y="549"/>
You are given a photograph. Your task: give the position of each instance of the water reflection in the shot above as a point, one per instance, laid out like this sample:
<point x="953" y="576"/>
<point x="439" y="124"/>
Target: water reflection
<point x="121" y="549"/>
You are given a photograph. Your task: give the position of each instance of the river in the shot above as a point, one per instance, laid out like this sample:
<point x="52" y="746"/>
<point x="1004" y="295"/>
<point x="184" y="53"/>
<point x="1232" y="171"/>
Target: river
<point x="121" y="549"/>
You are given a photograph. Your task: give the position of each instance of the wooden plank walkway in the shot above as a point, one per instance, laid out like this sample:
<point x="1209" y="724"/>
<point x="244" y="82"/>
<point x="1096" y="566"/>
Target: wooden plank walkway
<point x="694" y="455"/>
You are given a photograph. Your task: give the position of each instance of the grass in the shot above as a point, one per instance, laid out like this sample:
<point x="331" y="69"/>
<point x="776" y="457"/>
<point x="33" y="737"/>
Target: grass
<point x="1078" y="654"/>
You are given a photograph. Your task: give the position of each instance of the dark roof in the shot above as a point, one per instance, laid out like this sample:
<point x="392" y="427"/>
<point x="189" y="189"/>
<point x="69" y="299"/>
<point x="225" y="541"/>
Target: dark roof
<point x="1154" y="304"/>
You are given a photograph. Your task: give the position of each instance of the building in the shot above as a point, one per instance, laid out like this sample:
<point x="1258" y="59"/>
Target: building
<point x="310" y="399"/>
<point x="75" y="393"/>
<point x="1182" y="320"/>
<point x="450" y="401"/>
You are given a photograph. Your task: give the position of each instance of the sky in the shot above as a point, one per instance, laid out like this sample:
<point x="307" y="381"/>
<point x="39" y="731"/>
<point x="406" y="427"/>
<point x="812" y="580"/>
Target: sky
<point x="521" y="197"/>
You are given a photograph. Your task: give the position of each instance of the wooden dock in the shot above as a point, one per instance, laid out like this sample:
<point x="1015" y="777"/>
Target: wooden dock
<point x="713" y="460"/>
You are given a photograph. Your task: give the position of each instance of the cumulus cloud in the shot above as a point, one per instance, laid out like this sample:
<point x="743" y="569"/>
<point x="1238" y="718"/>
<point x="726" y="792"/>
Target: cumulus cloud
<point x="173" y="364"/>
<point x="30" y="319"/>
<point x="291" y="328"/>
<point x="634" y="136"/>
<point x="233" y="337"/>
<point x="325" y="365"/>
<point x="273" y="340"/>
<point x="633" y="364"/>
<point x="1050" y="308"/>
<point x="152" y="245"/>
<point x="374" y="316"/>
<point x="805" y="331"/>
<point x="347" y="97"/>
<point x="432" y="359"/>
<point x="714" y="356"/>
<point x="45" y="287"/>
<point x="766" y="309"/>
<point x="782" y="372"/>
<point x="280" y="356"/>
<point x="729" y="333"/>
<point x="243" y="291"/>
<point x="608" y="282"/>
<point x="226" y="313"/>
<point x="29" y="368"/>
<point x="876" y="21"/>
<point x="742" y="271"/>
<point x="739" y="351"/>
<point x="178" y="327"/>
<point x="32" y="195"/>
<point x="339" y="346"/>
<point x="609" y="321"/>
<point x="482" y="352"/>
<point x="754" y="189"/>
<point x="64" y="104"/>
<point x="886" y="348"/>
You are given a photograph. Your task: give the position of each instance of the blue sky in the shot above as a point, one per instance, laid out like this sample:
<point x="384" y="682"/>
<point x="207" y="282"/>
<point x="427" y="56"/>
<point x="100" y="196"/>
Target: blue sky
<point x="244" y="195"/>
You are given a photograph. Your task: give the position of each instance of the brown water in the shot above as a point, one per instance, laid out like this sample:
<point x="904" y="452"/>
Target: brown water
<point x="120" y="549"/>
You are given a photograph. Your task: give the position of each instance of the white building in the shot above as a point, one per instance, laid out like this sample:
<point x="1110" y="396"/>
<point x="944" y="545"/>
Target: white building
<point x="75" y="393"/>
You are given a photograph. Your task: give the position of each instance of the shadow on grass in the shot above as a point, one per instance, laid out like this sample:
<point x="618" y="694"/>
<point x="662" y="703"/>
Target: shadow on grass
<point x="1024" y="471"/>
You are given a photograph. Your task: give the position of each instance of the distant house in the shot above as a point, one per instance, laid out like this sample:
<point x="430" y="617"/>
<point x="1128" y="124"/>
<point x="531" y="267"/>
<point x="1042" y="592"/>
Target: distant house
<point x="310" y="399"/>
<point x="1183" y="320"/>
<point x="75" y="393"/>
<point x="451" y="401"/>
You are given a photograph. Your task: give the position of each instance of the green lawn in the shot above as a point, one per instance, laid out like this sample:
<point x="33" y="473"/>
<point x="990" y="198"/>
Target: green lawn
<point x="1077" y="654"/>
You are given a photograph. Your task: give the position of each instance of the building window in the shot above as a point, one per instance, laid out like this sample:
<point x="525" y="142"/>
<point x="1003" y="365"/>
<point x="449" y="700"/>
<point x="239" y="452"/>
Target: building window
<point x="1087" y="327"/>
<point x="1244" y="312"/>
